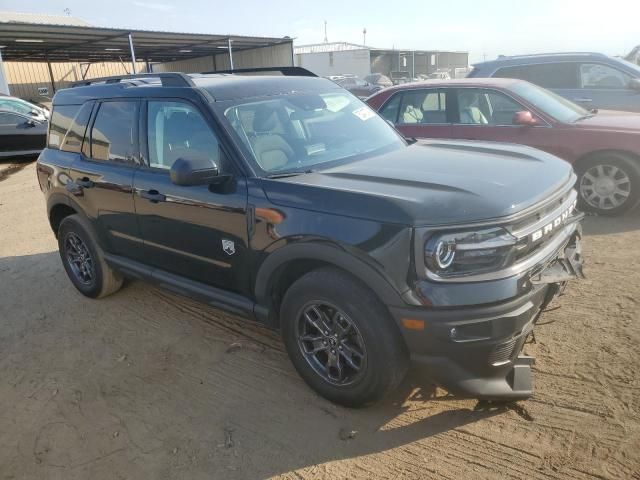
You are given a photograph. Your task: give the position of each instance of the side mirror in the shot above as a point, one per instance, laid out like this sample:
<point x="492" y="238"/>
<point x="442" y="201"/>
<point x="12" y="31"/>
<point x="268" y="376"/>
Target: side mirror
<point x="193" y="171"/>
<point x="634" y="84"/>
<point x="524" y="118"/>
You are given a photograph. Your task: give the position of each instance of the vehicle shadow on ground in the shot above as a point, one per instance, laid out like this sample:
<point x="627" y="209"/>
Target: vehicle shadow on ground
<point x="602" y="225"/>
<point x="279" y="424"/>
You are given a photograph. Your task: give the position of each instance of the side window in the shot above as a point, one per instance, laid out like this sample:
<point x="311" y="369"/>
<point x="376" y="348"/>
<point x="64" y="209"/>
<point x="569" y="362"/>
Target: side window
<point x="472" y="106"/>
<point x="423" y="106"/>
<point x="176" y="129"/>
<point x="114" y="131"/>
<point x="61" y="119"/>
<point x="594" y="75"/>
<point x="547" y="75"/>
<point x="390" y="109"/>
<point x="11" y="120"/>
<point x="501" y="108"/>
<point x="73" y="139"/>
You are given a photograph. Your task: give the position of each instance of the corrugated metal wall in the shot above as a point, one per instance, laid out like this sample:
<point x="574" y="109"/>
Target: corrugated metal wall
<point x="274" y="56"/>
<point x="25" y="78"/>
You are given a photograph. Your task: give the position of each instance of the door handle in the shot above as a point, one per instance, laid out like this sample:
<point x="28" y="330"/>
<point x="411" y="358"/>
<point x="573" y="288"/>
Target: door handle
<point x="153" y="196"/>
<point x="583" y="100"/>
<point x="84" y="182"/>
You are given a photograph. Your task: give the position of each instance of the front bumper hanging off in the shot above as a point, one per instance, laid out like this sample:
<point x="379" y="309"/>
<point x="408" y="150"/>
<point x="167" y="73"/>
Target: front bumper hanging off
<point x="476" y="351"/>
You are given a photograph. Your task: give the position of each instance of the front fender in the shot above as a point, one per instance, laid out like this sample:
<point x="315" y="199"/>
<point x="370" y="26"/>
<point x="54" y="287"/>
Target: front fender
<point x="330" y="253"/>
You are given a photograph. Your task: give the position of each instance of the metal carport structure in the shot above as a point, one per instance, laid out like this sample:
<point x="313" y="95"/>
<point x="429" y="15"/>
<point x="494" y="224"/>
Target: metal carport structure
<point x="47" y="43"/>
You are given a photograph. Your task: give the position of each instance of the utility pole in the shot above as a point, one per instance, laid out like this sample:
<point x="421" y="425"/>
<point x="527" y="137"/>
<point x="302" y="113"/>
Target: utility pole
<point x="364" y="36"/>
<point x="326" y="40"/>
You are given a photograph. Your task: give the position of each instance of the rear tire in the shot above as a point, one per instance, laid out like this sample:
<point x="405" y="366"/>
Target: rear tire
<point x="83" y="259"/>
<point x="371" y="357"/>
<point x="608" y="184"/>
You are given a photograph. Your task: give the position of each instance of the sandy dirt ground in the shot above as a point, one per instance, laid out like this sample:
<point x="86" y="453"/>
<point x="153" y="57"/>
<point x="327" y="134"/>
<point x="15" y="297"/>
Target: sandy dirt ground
<point x="146" y="384"/>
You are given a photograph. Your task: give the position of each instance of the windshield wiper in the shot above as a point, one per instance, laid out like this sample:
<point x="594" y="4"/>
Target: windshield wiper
<point x="289" y="174"/>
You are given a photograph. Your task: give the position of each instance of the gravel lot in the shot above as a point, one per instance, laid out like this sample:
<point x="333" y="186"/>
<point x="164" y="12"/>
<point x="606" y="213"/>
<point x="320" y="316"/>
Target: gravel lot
<point x="146" y="384"/>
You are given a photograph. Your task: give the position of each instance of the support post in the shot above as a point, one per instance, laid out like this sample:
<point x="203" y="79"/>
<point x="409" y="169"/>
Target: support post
<point x="53" y="83"/>
<point x="133" y="55"/>
<point x="413" y="65"/>
<point x="230" y="53"/>
<point x="148" y="65"/>
<point x="4" y="83"/>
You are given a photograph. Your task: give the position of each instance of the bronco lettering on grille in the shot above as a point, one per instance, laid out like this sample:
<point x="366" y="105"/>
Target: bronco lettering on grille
<point x="554" y="225"/>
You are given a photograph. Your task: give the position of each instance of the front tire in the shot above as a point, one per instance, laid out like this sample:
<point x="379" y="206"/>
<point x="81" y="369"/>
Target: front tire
<point x="608" y="184"/>
<point x="341" y="339"/>
<point x="83" y="259"/>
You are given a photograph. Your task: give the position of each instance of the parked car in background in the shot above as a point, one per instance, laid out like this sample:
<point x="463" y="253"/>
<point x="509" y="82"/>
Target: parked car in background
<point x="17" y="105"/>
<point x="603" y="146"/>
<point x="360" y="88"/>
<point x="592" y="80"/>
<point x="378" y="79"/>
<point x="21" y="134"/>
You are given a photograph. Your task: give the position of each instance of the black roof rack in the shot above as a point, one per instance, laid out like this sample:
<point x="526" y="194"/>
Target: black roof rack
<point x="168" y="79"/>
<point x="286" y="71"/>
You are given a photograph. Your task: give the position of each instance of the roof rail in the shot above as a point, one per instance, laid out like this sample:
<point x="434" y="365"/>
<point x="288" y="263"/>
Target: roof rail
<point x="286" y="71"/>
<point x="168" y="79"/>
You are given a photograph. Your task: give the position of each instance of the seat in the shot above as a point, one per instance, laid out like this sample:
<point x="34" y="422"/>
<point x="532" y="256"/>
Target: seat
<point x="271" y="150"/>
<point x="470" y="113"/>
<point x="412" y="115"/>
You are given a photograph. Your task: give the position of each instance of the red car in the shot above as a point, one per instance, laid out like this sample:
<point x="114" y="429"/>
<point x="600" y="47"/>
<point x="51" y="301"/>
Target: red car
<point x="604" y="146"/>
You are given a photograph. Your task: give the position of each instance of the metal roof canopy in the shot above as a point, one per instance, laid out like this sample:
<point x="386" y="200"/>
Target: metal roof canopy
<point x="30" y="42"/>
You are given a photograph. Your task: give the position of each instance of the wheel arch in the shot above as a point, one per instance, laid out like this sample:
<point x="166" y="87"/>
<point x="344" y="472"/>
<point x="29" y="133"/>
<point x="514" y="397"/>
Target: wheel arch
<point x="287" y="264"/>
<point x="631" y="157"/>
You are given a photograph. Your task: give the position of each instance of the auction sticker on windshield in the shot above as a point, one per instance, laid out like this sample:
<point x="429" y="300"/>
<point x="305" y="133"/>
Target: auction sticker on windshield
<point x="364" y="113"/>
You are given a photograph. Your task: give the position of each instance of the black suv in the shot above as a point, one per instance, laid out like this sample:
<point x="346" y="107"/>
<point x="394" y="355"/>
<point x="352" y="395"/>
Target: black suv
<point x="287" y="200"/>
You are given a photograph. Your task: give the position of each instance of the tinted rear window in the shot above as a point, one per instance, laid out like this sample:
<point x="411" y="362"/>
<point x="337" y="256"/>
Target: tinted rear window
<point x="73" y="139"/>
<point x="547" y="75"/>
<point x="61" y="119"/>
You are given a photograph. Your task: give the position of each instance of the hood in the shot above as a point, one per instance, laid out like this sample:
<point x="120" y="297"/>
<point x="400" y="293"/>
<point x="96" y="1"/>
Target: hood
<point x="612" y="120"/>
<point x="430" y="183"/>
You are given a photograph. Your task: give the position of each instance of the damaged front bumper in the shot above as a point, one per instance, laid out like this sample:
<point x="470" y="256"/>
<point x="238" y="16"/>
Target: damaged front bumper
<point x="476" y="351"/>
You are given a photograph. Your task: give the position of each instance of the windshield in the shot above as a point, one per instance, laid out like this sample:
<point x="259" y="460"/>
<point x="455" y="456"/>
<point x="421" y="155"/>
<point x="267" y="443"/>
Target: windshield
<point x="553" y="105"/>
<point x="631" y="65"/>
<point x="300" y="132"/>
<point x="15" y="105"/>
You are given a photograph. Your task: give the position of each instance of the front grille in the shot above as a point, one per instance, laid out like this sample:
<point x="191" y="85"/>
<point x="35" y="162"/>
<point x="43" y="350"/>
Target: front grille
<point x="502" y="353"/>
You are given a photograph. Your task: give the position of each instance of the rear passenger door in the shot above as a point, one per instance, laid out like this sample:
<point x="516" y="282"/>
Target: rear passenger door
<point x="198" y="232"/>
<point x="419" y="113"/>
<point x="605" y="87"/>
<point x="102" y="174"/>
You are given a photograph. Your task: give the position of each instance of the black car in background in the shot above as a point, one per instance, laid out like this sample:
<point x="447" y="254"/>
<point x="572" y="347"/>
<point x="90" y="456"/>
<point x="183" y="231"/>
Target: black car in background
<point x="592" y="80"/>
<point x="21" y="134"/>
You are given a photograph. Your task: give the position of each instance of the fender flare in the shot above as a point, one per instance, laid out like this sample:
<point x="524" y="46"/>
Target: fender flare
<point x="331" y="254"/>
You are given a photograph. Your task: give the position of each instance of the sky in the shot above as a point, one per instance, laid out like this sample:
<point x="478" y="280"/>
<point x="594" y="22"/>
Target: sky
<point x="484" y="28"/>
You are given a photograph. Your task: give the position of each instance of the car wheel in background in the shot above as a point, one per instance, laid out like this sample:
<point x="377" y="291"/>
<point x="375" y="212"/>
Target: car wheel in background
<point x="341" y="339"/>
<point x="83" y="259"/>
<point x="608" y="184"/>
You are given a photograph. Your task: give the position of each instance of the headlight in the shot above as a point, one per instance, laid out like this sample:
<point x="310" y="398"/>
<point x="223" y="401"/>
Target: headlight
<point x="470" y="252"/>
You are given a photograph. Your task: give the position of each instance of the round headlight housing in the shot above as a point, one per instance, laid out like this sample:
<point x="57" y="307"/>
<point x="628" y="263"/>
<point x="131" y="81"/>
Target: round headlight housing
<point x="444" y="254"/>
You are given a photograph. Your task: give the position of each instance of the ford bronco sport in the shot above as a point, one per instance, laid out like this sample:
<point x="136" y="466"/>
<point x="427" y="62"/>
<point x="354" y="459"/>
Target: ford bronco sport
<point x="287" y="200"/>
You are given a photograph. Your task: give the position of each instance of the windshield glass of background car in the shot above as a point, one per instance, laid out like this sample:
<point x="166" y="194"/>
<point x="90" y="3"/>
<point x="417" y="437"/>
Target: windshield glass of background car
<point x="302" y="131"/>
<point x="553" y="105"/>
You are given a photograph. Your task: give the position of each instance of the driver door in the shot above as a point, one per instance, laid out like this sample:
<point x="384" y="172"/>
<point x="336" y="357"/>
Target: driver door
<point x="198" y="232"/>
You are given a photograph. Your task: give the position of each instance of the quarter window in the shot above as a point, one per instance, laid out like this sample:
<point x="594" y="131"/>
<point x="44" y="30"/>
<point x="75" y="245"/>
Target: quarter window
<point x="594" y="75"/>
<point x="61" y="119"/>
<point x="73" y="139"/>
<point x="113" y="132"/>
<point x="176" y="129"/>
